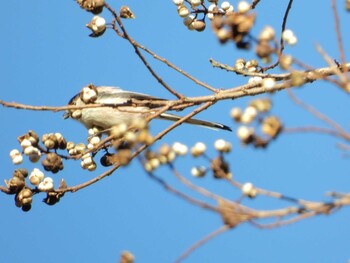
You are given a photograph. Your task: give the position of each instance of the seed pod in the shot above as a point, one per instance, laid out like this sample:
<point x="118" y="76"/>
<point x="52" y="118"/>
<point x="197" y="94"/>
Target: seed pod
<point x="243" y="7"/>
<point x="25" y="196"/>
<point x="26" y="208"/>
<point x="222" y="146"/>
<point x="20" y="173"/>
<point x="198" y="149"/>
<point x="33" y="138"/>
<point x="25" y="143"/>
<point x="89" y="93"/>
<point x="107" y="160"/>
<point x="61" y="141"/>
<point x="15" y="184"/>
<point x="93" y="6"/>
<point x="220" y="168"/>
<point x="198" y="171"/>
<point x="46" y="185"/>
<point x="183" y="11"/>
<point x="52" y="163"/>
<point x="98" y="26"/>
<point x="199" y="25"/>
<point x="236" y="114"/>
<point x="126" y="13"/>
<point x="245" y="134"/>
<point x="263" y="49"/>
<point x="249" y="190"/>
<point x="127" y="257"/>
<point x="271" y="126"/>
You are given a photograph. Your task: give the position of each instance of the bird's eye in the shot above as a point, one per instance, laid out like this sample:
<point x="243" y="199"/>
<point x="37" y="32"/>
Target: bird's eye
<point x="73" y="100"/>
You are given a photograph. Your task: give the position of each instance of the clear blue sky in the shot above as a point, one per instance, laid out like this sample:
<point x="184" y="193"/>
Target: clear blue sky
<point x="47" y="56"/>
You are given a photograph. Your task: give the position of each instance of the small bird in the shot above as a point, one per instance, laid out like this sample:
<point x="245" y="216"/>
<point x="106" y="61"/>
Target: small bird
<point x="104" y="118"/>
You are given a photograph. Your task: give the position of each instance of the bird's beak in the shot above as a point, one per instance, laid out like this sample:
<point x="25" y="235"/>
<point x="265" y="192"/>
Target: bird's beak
<point x="66" y="115"/>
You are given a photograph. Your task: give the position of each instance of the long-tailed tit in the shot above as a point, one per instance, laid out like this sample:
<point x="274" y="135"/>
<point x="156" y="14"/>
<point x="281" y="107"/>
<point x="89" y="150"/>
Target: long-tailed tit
<point x="105" y="118"/>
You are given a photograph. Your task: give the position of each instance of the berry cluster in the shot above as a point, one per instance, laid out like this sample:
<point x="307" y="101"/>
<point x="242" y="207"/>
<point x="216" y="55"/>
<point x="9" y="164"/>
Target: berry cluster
<point x="167" y="154"/>
<point x="98" y="24"/>
<point x="255" y="115"/>
<point x="227" y="23"/>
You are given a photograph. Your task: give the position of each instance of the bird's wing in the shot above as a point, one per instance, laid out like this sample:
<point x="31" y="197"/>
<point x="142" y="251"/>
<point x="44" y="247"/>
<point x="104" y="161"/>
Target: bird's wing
<point x="121" y="96"/>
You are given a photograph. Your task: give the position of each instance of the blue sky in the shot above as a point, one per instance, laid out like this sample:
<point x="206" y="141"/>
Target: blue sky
<point x="47" y="57"/>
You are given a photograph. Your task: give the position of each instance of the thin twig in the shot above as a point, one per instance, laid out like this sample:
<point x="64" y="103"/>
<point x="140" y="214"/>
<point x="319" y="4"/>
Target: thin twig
<point x="194" y="187"/>
<point x="332" y="65"/>
<point x="265" y="192"/>
<point x="137" y="51"/>
<point x="284" y="23"/>
<point x="173" y="66"/>
<point x="182" y="195"/>
<point x="201" y="242"/>
<point x="280" y="223"/>
<point x="339" y="38"/>
<point x="314" y="129"/>
<point x="309" y="68"/>
<point x="319" y="115"/>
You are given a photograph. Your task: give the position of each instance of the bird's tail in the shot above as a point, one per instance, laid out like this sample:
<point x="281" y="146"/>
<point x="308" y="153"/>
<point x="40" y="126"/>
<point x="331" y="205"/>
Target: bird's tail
<point x="206" y="124"/>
